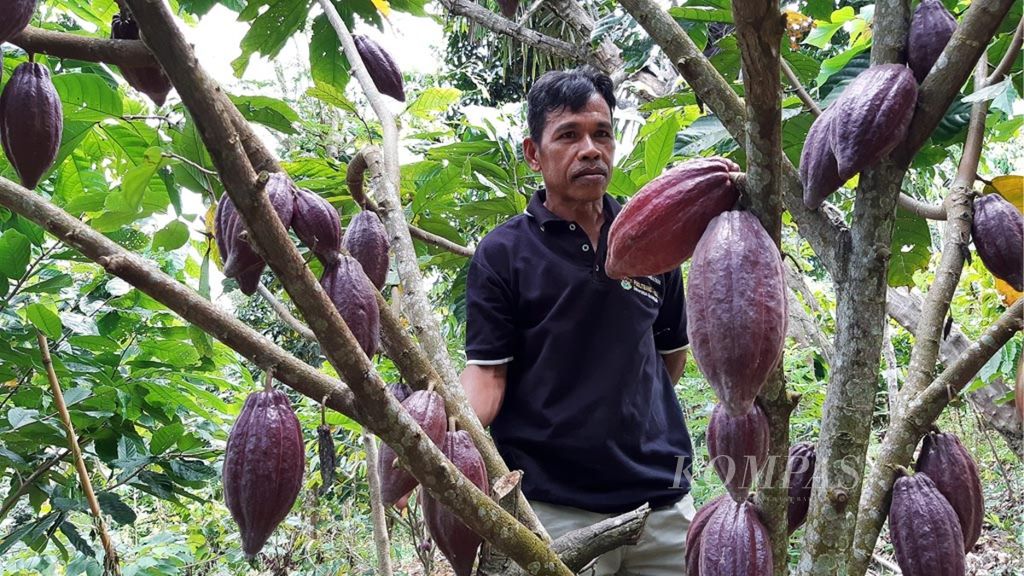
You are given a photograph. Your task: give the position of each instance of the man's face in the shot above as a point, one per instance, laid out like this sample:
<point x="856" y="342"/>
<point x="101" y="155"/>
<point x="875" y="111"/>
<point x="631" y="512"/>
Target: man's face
<point x="576" y="151"/>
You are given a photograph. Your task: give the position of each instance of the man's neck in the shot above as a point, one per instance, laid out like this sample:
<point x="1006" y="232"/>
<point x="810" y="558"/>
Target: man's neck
<point x="588" y="214"/>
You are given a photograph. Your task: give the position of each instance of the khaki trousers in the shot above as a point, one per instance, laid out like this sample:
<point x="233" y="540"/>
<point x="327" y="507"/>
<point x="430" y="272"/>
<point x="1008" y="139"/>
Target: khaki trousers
<point x="659" y="552"/>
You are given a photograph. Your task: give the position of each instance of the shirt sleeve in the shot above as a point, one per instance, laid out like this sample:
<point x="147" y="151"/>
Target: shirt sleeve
<point x="670" y="325"/>
<point x="490" y="308"/>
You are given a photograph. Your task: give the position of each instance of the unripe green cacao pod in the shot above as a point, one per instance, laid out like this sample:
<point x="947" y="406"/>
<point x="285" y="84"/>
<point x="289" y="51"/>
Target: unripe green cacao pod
<point x="366" y="240"/>
<point x="356" y="300"/>
<point x="263" y="466"/>
<point x="738" y="448"/>
<point x="741" y="545"/>
<point x="819" y="172"/>
<point x="924" y="529"/>
<point x="945" y="460"/>
<point x="998" y="231"/>
<point x="931" y="27"/>
<point x="381" y="66"/>
<point x="150" y="80"/>
<point x="694" y="532"/>
<point x="16" y="16"/>
<point x="31" y="122"/>
<point x="802" y="459"/>
<point x="872" y="116"/>
<point x="427" y="408"/>
<point x="317" y="225"/>
<point x="454" y="539"/>
<point x="658" y="228"/>
<point x="736" y="308"/>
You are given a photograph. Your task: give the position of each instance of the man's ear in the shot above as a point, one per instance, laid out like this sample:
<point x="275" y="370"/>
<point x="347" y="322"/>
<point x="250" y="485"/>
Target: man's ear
<point x="531" y="151"/>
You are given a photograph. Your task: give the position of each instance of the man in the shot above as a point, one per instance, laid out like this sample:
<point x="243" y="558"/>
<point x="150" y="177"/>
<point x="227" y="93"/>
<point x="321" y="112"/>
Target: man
<point x="572" y="370"/>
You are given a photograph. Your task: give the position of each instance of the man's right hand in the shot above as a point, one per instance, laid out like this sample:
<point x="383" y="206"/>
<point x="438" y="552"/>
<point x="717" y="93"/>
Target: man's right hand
<point x="485" y="387"/>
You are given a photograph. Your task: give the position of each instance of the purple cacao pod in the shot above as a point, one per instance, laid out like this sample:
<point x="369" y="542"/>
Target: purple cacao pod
<point x="381" y="66"/>
<point x="17" y="15"/>
<point x="508" y="7"/>
<point x="658" y="228"/>
<point x="366" y="240"/>
<point x="736" y="308"/>
<point x="872" y="116"/>
<point x="263" y="466"/>
<point x="454" y="539"/>
<point x="741" y="542"/>
<point x="150" y="80"/>
<point x="31" y="122"/>
<point x="802" y="459"/>
<point x="738" y="448"/>
<point x="998" y="231"/>
<point x="356" y="300"/>
<point x="931" y="27"/>
<point x="427" y="409"/>
<point x="924" y="529"/>
<point x="694" y="532"/>
<point x="317" y="225"/>
<point x="945" y="460"/>
<point x="819" y="172"/>
<point x="400" y="390"/>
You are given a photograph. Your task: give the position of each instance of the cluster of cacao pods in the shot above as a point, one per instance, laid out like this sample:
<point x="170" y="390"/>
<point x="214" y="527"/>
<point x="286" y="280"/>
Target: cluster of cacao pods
<point x="936" y="513"/>
<point x="383" y="70"/>
<point x="866" y="122"/>
<point x="31" y="120"/>
<point x="150" y="80"/>
<point x="740" y="540"/>
<point x="998" y="232"/>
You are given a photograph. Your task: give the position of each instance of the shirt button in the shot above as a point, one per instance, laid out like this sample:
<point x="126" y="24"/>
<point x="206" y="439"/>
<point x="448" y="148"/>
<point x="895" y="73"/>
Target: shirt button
<point x="572" y="226"/>
<point x="541" y="228"/>
<point x="597" y="268"/>
<point x="586" y="247"/>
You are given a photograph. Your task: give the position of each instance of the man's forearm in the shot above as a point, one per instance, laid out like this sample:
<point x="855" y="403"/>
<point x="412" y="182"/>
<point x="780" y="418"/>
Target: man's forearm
<point x="675" y="362"/>
<point x="485" y="388"/>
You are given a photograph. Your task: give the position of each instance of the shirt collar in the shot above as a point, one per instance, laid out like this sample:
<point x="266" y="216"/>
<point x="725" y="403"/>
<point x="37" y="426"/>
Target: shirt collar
<point x="537" y="210"/>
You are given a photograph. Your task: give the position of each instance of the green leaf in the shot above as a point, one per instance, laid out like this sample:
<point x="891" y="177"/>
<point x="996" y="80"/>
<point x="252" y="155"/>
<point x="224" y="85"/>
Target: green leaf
<point x="911" y="248"/>
<point x="175" y="353"/>
<point x="165" y="437"/>
<point x="703" y="11"/>
<point x="118" y="510"/>
<point x="270" y="29"/>
<point x="270" y="112"/>
<point x="621" y="184"/>
<point x="171" y="237"/>
<point x="75" y="395"/>
<point x="45" y="319"/>
<point x="80" y="544"/>
<point x="434" y="100"/>
<point x="87" y="98"/>
<point x="333" y="97"/>
<point x="15" y="253"/>
<point x="50" y="285"/>
<point x="138" y="178"/>
<point x="19" y="417"/>
<point x="658" y="145"/>
<point x="327" y="62"/>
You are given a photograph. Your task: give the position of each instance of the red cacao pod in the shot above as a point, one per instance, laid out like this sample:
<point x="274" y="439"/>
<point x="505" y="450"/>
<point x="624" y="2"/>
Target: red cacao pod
<point x="366" y="240"/>
<point x="694" y="532"/>
<point x="17" y="15"/>
<point x="872" y="116"/>
<point x="819" y="172"/>
<point x="263" y="466"/>
<point x="381" y="66"/>
<point x="924" y="529"/>
<point x="454" y="539"/>
<point x="150" y="80"/>
<point x="658" y="228"/>
<point x="931" y="27"/>
<point x="736" y="308"/>
<point x="356" y="300"/>
<point x="427" y="408"/>
<point x="738" y="447"/>
<point x="802" y="459"/>
<point x="317" y="224"/>
<point x="945" y="460"/>
<point x="31" y="122"/>
<point x="742" y="546"/>
<point x="998" y="231"/>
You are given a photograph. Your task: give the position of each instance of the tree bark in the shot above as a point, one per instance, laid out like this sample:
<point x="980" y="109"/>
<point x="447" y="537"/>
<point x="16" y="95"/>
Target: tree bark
<point x="65" y="45"/>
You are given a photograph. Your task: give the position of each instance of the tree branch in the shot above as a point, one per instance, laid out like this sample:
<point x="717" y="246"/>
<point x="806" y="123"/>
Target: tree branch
<point x="380" y="526"/>
<point x="922" y="209"/>
<point x="1012" y="51"/>
<point x="26" y="485"/>
<point x="579" y="547"/>
<point x="65" y="45"/>
<point x="606" y="56"/>
<point x="800" y="90"/>
<point x="285" y="315"/>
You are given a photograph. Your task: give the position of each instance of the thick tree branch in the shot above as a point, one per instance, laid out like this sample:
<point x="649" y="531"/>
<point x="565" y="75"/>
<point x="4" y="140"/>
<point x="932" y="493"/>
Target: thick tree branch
<point x="65" y="45"/>
<point x="379" y="410"/>
<point x="922" y="209"/>
<point x="579" y="547"/>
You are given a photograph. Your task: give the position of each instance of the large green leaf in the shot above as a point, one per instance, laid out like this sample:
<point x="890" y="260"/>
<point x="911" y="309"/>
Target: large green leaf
<point x="327" y="62"/>
<point x="15" y="252"/>
<point x="911" y="248"/>
<point x="44" y="318"/>
<point x="270" y="112"/>
<point x="270" y="28"/>
<point x="87" y="98"/>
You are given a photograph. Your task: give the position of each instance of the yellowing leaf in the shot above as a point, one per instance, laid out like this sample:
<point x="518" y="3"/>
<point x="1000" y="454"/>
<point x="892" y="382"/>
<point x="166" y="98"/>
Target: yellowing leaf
<point x="383" y="7"/>
<point x="1011" y="187"/>
<point x="214" y="252"/>
<point x="1006" y="293"/>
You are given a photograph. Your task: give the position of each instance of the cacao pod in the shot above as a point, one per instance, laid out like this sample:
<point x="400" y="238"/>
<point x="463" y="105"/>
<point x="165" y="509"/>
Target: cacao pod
<point x="508" y="7"/>
<point x="328" y="457"/>
<point x="317" y="225"/>
<point x="736" y="308"/>
<point x="998" y="230"/>
<point x="356" y="300"/>
<point x="738" y="447"/>
<point x="400" y="390"/>
<point x="31" y="122"/>
<point x="457" y="542"/>
<point x="802" y="459"/>
<point x="17" y="15"/>
<point x="945" y="460"/>
<point x="925" y="532"/>
<point x="263" y="466"/>
<point x="367" y="241"/>
<point x="819" y="172"/>
<point x="741" y="543"/>
<point x="931" y="27"/>
<point x="381" y="66"/>
<point x="427" y="408"/>
<point x="693" y="534"/>
<point x="658" y="228"/>
<point x="150" y="80"/>
<point x="872" y="116"/>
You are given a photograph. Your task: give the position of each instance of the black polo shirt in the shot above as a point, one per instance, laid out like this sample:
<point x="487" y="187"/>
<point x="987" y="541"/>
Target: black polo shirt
<point x="589" y="413"/>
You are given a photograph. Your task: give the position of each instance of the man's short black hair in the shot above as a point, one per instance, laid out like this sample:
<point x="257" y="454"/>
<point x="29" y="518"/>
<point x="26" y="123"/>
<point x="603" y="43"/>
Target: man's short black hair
<point x="560" y="89"/>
